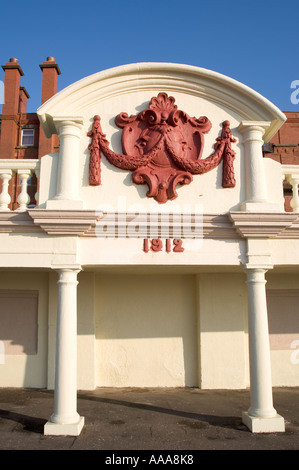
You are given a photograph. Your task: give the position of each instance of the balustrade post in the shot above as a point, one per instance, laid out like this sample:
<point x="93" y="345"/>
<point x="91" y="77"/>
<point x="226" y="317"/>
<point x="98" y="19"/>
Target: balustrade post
<point x="23" y="198"/>
<point x="290" y="173"/>
<point x="37" y="174"/>
<point x="23" y="169"/>
<point x="294" y="203"/>
<point x="5" y="198"/>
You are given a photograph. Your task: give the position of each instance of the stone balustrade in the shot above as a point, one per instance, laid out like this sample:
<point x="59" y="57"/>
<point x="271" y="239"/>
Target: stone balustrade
<point x="290" y="173"/>
<point x="24" y="169"/>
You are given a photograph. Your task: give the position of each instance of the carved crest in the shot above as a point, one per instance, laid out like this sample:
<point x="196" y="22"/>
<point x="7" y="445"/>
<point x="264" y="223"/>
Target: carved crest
<point x="163" y="147"/>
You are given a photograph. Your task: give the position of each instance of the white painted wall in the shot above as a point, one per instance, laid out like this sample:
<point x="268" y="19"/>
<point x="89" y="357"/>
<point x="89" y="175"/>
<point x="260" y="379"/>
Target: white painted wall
<point x="223" y="331"/>
<point x="146" y="330"/>
<point x="283" y="307"/>
<point x="23" y="370"/>
<point x="156" y="329"/>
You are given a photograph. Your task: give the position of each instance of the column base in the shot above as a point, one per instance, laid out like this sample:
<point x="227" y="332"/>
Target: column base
<point x="64" y="204"/>
<point x="71" y="429"/>
<point x="260" y="207"/>
<point x="260" y="425"/>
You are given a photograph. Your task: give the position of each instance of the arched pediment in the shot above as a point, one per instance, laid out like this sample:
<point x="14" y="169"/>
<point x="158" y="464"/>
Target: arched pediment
<point x="208" y="129"/>
<point x="211" y="86"/>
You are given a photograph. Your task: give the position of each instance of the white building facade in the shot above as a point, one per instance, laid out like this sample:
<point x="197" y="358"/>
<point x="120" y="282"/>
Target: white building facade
<point x="160" y="273"/>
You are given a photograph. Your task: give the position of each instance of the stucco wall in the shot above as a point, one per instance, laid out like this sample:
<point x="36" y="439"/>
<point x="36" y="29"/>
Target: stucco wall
<point x="157" y="329"/>
<point x="146" y="330"/>
<point x="283" y="313"/>
<point x="223" y="331"/>
<point x="172" y="330"/>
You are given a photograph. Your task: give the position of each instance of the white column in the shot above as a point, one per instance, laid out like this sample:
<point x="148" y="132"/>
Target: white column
<point x="256" y="181"/>
<point x="65" y="419"/>
<point x="4" y="196"/>
<point x="67" y="189"/>
<point x="261" y="416"/>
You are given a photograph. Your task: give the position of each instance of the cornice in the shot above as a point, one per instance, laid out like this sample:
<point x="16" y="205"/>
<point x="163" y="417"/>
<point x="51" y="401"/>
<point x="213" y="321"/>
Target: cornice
<point x="265" y="225"/>
<point x="17" y="222"/>
<point x="163" y="225"/>
<point x="90" y="223"/>
<point x="218" y="226"/>
<point x="292" y="231"/>
<point x="64" y="222"/>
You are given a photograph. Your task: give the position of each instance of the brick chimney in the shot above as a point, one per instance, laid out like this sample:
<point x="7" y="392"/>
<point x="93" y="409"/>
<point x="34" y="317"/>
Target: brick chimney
<point x="49" y="88"/>
<point x="13" y="73"/>
<point x="10" y="108"/>
<point x="23" y="100"/>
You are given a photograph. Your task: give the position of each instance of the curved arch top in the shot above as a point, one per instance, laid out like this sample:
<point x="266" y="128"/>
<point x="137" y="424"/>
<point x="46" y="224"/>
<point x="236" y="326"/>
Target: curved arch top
<point x="207" y="84"/>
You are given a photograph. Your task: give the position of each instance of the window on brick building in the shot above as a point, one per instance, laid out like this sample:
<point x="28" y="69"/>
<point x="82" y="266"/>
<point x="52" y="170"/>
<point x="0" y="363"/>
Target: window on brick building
<point x="27" y="137"/>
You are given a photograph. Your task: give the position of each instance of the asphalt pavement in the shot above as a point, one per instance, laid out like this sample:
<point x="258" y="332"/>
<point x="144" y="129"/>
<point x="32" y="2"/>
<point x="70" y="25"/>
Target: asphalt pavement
<point x="136" y="419"/>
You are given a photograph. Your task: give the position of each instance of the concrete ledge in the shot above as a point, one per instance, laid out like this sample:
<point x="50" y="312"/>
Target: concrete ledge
<point x="260" y="425"/>
<point x="54" y="429"/>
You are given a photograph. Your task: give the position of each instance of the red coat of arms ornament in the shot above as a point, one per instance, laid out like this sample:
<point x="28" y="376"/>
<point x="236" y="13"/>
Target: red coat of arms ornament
<point x="163" y="147"/>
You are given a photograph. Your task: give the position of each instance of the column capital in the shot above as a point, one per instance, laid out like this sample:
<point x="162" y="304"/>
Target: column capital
<point x="256" y="273"/>
<point x="68" y="125"/>
<point x="63" y="268"/>
<point x="249" y="127"/>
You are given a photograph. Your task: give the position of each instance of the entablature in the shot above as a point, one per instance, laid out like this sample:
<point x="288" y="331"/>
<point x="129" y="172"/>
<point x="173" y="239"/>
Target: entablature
<point x="90" y="223"/>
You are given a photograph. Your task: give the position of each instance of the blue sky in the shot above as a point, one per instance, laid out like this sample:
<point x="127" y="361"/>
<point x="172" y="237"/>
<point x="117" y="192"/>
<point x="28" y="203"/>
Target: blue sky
<point x="253" y="42"/>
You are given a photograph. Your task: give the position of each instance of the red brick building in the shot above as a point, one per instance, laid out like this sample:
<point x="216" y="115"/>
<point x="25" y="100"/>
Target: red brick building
<point x="21" y="135"/>
<point x="284" y="148"/>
